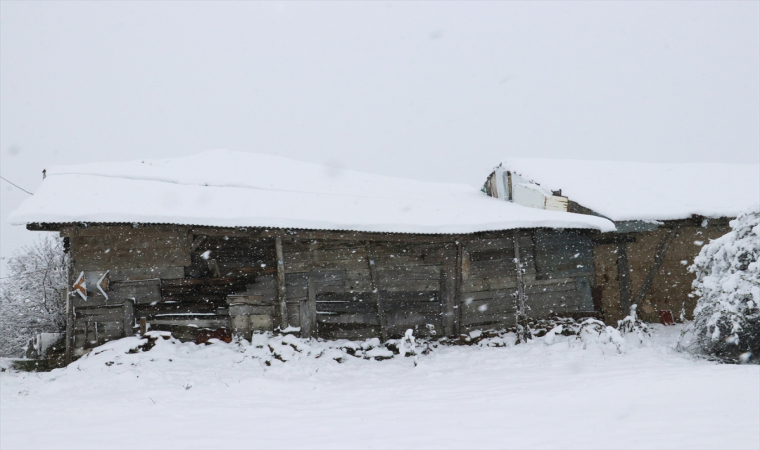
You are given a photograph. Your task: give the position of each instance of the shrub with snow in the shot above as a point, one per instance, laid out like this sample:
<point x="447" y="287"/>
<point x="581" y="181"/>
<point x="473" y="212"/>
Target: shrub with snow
<point x="727" y="316"/>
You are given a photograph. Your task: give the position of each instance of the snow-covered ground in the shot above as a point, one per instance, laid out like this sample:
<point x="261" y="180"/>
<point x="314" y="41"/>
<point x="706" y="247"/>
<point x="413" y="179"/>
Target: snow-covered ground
<point x="524" y="396"/>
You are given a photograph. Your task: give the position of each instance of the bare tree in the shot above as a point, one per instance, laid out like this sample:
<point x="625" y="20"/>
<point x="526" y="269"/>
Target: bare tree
<point x="32" y="298"/>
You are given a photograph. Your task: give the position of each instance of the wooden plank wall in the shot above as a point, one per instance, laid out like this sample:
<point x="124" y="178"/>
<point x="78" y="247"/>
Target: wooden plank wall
<point x="413" y="282"/>
<point x="347" y="285"/>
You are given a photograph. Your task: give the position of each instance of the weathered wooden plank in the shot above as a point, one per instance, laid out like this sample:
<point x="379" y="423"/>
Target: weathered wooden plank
<point x="543" y="304"/>
<point x="322" y="277"/>
<point x="124" y="230"/>
<point x="133" y="260"/>
<point x="344" y="331"/>
<point x="309" y="310"/>
<point x="364" y="319"/>
<point x="500" y="293"/>
<point x="408" y="319"/>
<point x="175" y="307"/>
<point x="489" y="284"/>
<point x="281" y="290"/>
<point x="492" y="269"/>
<point x="146" y="291"/>
<point x="101" y="314"/>
<point x="500" y="318"/>
<point x="129" y="317"/>
<point x="309" y="256"/>
<point x="247" y="299"/>
<point x="479" y="245"/>
<point x="345" y="297"/>
<point x="493" y="254"/>
<point x="191" y="322"/>
<point x="140" y="242"/>
<point x="520" y="283"/>
<point x="563" y="253"/>
<point x="529" y="290"/>
<point x="458" y="287"/>
<point x="624" y="278"/>
<point x="410" y="273"/>
<point x="348" y="288"/>
<point x="376" y="286"/>
<point x="299" y="245"/>
<point x="532" y="280"/>
<point x="502" y="305"/>
<point x="146" y="273"/>
<point x="343" y="264"/>
<point x="413" y="285"/>
<point x="247" y="310"/>
<point x="413" y="307"/>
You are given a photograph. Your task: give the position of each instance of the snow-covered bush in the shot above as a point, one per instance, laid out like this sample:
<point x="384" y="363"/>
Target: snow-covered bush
<point x="30" y="295"/>
<point x="727" y="316"/>
<point x="634" y="328"/>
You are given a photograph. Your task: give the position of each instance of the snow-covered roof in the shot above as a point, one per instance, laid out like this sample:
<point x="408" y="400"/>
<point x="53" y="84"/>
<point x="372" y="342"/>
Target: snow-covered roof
<point x="237" y="189"/>
<point x="644" y="191"/>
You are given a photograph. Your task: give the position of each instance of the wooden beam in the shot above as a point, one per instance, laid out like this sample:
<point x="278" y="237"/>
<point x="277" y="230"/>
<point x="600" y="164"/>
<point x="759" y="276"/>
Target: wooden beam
<point x="281" y="292"/>
<point x="309" y="310"/>
<point x="624" y="278"/>
<point x="659" y="256"/>
<point x="521" y="315"/>
<point x="69" y="328"/>
<point x="129" y="317"/>
<point x="197" y="242"/>
<point x="357" y="236"/>
<point x="376" y="294"/>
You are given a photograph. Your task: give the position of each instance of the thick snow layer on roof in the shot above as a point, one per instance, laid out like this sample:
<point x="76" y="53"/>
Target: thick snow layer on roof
<point x="643" y="191"/>
<point x="225" y="188"/>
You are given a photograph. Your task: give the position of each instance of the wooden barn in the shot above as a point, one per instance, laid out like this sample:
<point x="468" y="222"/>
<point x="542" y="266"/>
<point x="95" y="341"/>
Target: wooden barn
<point x="663" y="214"/>
<point x="225" y="242"/>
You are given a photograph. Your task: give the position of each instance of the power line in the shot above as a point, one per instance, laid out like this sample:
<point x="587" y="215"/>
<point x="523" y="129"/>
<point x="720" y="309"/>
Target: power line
<point x="14" y="184"/>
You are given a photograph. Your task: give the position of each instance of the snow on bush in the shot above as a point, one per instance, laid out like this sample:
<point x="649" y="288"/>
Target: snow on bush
<point x="31" y="300"/>
<point x="727" y="317"/>
<point x="266" y="349"/>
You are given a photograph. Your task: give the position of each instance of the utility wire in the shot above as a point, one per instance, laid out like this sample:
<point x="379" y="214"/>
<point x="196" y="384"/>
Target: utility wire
<point x="16" y="185"/>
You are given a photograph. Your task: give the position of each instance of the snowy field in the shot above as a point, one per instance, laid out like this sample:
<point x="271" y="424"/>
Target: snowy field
<point x="526" y="396"/>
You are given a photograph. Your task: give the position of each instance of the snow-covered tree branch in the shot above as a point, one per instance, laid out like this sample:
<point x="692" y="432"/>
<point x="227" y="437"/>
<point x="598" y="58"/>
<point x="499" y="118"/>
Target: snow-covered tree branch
<point x="31" y="296"/>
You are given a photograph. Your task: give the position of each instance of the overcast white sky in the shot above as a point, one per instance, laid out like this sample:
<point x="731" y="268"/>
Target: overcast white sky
<point x="434" y="91"/>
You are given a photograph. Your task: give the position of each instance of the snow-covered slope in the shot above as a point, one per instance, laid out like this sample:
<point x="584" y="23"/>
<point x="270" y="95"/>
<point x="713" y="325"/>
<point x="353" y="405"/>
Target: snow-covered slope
<point x="643" y="191"/>
<point x="225" y="188"/>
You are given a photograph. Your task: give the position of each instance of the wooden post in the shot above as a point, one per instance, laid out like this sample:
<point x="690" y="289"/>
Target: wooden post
<point x="624" y="278"/>
<point x="457" y="294"/>
<point x="463" y="276"/>
<point x="521" y="315"/>
<point x="143" y="326"/>
<point x="70" y="274"/>
<point x="281" y="293"/>
<point x="129" y="317"/>
<point x="312" y="307"/>
<point x="376" y="294"/>
<point x="309" y="310"/>
<point x="69" y="328"/>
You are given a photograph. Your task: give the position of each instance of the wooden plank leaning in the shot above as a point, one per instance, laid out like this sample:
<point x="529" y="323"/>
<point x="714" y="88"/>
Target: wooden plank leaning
<point x="521" y="313"/>
<point x="376" y="294"/>
<point x="281" y="283"/>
